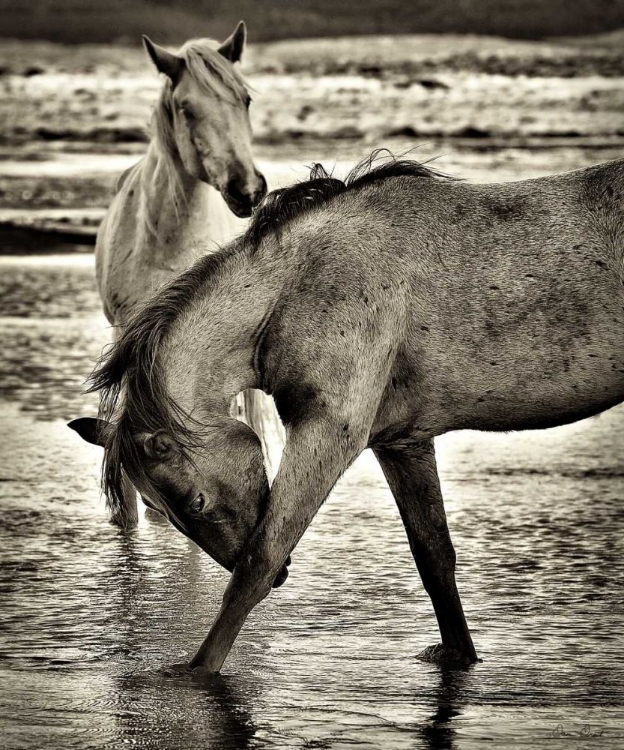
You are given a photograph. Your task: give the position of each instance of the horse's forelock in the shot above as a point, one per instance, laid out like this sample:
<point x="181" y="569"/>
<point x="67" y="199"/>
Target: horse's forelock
<point x="209" y="68"/>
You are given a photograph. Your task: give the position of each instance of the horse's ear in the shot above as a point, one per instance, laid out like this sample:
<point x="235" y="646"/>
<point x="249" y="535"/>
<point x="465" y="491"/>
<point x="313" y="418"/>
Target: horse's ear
<point x="166" y="62"/>
<point x="91" y="429"/>
<point x="159" y="445"/>
<point x="232" y="47"/>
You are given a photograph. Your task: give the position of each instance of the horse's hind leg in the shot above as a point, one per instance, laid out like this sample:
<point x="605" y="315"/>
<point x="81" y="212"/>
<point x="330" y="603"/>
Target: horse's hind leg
<point x="413" y="478"/>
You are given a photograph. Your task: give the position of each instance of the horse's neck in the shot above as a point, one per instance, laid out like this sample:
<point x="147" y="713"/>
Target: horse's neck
<point x="176" y="232"/>
<point x="210" y="351"/>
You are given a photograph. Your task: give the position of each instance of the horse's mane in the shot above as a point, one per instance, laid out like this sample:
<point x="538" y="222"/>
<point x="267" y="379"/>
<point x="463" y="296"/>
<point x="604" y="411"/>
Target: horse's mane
<point x="212" y="72"/>
<point x="282" y="206"/>
<point x="129" y="375"/>
<point x="134" y="395"/>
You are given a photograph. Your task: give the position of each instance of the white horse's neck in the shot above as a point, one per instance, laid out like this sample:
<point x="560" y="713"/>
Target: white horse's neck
<point x="176" y="232"/>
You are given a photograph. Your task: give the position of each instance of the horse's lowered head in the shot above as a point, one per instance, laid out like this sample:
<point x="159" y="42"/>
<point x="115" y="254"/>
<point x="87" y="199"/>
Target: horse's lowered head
<point x="214" y="490"/>
<point x="203" y="116"/>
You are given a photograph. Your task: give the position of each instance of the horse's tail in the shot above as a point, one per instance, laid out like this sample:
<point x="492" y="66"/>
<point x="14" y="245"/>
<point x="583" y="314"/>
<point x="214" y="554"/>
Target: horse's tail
<point x="259" y="411"/>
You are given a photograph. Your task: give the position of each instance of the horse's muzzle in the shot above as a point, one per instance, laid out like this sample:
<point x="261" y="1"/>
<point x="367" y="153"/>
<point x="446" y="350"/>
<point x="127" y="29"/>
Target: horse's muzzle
<point x="281" y="577"/>
<point x="240" y="201"/>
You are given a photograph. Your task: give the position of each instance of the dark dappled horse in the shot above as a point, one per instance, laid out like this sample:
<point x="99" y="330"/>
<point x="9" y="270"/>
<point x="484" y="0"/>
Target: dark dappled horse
<point x="379" y="312"/>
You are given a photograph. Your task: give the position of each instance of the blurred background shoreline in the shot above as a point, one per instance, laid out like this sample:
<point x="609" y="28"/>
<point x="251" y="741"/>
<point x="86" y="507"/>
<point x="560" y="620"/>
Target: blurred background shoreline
<point x="72" y="118"/>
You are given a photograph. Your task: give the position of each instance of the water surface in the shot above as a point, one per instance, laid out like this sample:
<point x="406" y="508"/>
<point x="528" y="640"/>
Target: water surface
<point x="91" y="619"/>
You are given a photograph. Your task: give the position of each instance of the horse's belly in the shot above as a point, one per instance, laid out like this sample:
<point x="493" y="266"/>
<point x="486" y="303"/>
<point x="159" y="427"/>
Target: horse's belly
<point x="536" y="398"/>
<point x="504" y="388"/>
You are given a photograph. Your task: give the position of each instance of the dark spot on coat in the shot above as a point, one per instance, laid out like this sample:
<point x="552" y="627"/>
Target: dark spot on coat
<point x="460" y="212"/>
<point x="503" y="210"/>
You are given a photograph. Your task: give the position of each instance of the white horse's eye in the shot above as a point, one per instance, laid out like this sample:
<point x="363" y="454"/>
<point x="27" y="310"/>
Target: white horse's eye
<point x="186" y="111"/>
<point x="198" y="504"/>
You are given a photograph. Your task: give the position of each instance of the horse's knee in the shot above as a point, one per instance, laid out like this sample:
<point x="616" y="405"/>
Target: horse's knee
<point x="246" y="593"/>
<point x="252" y="578"/>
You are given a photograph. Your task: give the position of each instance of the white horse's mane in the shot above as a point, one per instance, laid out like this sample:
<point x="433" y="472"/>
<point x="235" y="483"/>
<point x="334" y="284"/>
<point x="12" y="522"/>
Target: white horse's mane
<point x="213" y="73"/>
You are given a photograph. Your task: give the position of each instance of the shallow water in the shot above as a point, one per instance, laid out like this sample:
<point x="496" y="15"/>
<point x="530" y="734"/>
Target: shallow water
<point x="91" y="619"/>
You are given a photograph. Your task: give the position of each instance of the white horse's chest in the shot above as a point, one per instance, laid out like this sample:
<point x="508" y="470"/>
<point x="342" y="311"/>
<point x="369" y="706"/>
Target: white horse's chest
<point x="135" y="258"/>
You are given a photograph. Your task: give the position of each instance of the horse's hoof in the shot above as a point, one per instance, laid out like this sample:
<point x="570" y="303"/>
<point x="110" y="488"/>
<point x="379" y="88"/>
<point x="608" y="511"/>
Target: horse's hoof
<point x="181" y="669"/>
<point x="203" y="674"/>
<point x="125" y="523"/>
<point x="446" y="657"/>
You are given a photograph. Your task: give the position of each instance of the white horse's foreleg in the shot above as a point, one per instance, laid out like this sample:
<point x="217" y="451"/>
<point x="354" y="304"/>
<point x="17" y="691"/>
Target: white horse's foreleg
<point x="259" y="411"/>
<point x="315" y="456"/>
<point x="413" y="478"/>
<point x="127" y="516"/>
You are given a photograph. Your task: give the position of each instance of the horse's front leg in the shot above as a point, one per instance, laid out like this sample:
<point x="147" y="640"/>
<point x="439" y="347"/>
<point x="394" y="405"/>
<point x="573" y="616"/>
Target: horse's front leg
<point x="413" y="478"/>
<point x="315" y="455"/>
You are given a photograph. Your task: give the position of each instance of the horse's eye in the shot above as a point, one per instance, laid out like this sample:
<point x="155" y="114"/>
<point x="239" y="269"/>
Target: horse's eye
<point x="198" y="504"/>
<point x="247" y="101"/>
<point x="186" y="112"/>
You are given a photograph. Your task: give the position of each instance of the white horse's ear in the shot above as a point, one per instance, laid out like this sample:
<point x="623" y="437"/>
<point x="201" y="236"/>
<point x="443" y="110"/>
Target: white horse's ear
<point x="92" y="430"/>
<point x="166" y="62"/>
<point x="159" y="445"/>
<point x="232" y="47"/>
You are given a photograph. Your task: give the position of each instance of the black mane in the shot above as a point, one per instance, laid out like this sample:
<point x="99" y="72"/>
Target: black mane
<point x="283" y="205"/>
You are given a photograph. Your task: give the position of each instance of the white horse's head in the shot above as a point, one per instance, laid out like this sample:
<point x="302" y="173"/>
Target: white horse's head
<point x="203" y="117"/>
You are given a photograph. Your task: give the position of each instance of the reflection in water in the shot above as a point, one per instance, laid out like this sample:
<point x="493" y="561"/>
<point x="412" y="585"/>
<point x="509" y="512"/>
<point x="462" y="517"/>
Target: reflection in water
<point x="91" y="620"/>
<point x="438" y="732"/>
<point x="214" y="712"/>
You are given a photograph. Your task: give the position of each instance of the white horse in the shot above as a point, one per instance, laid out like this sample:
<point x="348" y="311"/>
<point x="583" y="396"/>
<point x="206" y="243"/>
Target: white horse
<point x="182" y="199"/>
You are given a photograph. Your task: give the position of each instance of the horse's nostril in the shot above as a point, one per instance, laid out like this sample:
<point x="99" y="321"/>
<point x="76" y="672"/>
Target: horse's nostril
<point x="235" y="191"/>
